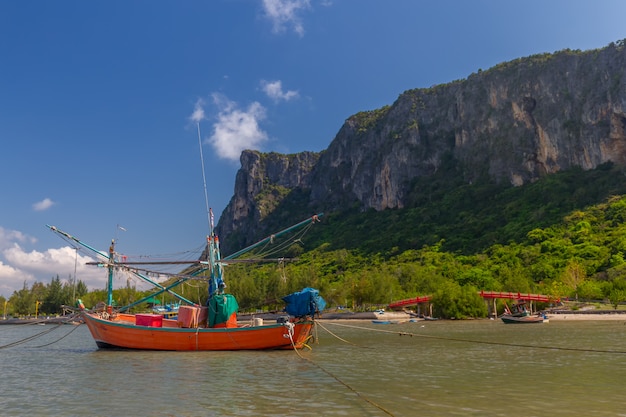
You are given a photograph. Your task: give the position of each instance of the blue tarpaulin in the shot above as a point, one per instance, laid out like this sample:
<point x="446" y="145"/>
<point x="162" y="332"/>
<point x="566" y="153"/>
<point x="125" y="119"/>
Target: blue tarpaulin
<point x="304" y="303"/>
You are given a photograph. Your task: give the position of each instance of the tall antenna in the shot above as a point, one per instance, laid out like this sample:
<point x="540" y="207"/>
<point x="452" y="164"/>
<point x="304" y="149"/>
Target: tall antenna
<point x="206" y="196"/>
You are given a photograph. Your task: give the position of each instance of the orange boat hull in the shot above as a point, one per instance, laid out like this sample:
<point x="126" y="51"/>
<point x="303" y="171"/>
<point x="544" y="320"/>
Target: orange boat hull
<point x="122" y="332"/>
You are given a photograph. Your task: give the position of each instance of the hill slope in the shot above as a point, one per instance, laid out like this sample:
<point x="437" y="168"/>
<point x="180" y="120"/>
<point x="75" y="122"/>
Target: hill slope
<point x="442" y="153"/>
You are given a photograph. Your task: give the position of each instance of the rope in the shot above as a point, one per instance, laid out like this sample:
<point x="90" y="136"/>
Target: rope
<point x="27" y="339"/>
<point x="60" y="338"/>
<point x="427" y="337"/>
<point x="298" y="236"/>
<point x="43" y="333"/>
<point x="358" y="394"/>
<point x="484" y="342"/>
<point x="343" y="340"/>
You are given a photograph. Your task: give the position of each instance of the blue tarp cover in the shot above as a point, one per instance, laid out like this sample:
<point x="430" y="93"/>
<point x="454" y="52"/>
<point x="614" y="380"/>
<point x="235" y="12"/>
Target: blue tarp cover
<point x="304" y="303"/>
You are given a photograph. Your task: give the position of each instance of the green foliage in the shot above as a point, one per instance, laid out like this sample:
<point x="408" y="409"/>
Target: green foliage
<point x="470" y="218"/>
<point x="453" y="301"/>
<point x="616" y="297"/>
<point x="45" y="299"/>
<point x="562" y="236"/>
<point x="367" y="119"/>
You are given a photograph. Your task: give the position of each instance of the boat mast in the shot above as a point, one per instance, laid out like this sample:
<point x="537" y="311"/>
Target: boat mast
<point x="110" y="280"/>
<point x="216" y="283"/>
<point x="206" y="195"/>
<point x="110" y="256"/>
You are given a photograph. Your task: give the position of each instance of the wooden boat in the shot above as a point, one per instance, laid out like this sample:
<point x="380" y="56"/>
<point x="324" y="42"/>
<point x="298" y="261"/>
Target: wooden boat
<point x="386" y="321"/>
<point x="526" y="319"/>
<point x="519" y="313"/>
<point x="121" y="331"/>
<point x="198" y="328"/>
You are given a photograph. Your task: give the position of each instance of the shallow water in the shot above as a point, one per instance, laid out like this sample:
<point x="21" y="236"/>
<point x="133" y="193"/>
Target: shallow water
<point x="442" y="368"/>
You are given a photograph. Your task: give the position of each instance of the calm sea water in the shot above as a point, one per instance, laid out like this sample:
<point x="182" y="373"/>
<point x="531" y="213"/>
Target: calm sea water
<point x="442" y="368"/>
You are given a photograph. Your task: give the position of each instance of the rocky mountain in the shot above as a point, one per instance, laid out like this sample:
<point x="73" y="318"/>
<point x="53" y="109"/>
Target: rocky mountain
<point x="511" y="124"/>
<point x="262" y="183"/>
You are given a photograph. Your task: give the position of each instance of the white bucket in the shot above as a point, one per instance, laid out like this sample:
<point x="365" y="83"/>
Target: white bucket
<point x="257" y="322"/>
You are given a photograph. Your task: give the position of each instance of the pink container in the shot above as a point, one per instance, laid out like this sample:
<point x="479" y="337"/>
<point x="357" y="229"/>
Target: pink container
<point x="188" y="316"/>
<point x="150" y="320"/>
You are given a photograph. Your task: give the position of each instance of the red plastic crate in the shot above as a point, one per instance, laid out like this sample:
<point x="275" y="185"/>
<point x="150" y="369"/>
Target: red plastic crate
<point x="150" y="320"/>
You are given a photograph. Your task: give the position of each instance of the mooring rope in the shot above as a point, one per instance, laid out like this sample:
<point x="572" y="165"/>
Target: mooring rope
<point x="327" y="372"/>
<point x="455" y="339"/>
<point x="484" y="342"/>
<point x="43" y="333"/>
<point x="339" y="338"/>
<point x="60" y="338"/>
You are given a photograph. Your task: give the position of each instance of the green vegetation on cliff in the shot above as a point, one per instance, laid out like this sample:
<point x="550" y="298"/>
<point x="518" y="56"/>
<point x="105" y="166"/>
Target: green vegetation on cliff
<point x="564" y="236"/>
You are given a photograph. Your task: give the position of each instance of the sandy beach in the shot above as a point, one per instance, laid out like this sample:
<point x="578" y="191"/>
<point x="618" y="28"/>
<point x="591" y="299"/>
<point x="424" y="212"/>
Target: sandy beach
<point x="562" y="315"/>
<point x="587" y="316"/>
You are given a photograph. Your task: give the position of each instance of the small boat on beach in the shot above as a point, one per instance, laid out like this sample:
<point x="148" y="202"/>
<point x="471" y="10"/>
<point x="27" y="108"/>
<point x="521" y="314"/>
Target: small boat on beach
<point x="210" y="327"/>
<point x="386" y="321"/>
<point x="519" y="313"/>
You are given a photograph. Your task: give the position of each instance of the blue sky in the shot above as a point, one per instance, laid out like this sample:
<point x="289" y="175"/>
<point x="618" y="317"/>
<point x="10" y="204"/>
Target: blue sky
<point x="100" y="102"/>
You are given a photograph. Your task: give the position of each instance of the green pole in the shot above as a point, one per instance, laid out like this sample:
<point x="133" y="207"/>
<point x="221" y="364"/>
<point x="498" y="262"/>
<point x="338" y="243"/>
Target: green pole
<point x="110" y="281"/>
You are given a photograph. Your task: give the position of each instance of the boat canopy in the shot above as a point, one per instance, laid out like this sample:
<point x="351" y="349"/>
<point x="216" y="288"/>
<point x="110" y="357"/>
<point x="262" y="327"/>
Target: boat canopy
<point x="307" y="302"/>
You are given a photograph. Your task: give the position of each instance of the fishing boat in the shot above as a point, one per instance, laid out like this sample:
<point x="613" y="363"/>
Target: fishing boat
<point x="386" y="321"/>
<point x="519" y="313"/>
<point x="168" y="311"/>
<point x="210" y="327"/>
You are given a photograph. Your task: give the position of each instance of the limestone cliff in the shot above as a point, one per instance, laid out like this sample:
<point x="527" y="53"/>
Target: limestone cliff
<point x="262" y="182"/>
<point x="513" y="123"/>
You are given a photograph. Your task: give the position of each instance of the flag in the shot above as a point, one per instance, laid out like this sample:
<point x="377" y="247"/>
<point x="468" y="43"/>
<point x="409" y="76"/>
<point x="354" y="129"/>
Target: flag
<point x="211" y="214"/>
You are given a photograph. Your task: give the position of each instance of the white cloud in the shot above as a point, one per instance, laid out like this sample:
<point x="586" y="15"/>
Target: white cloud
<point x="285" y="13"/>
<point x="198" y="112"/>
<point x="12" y="279"/>
<point x="8" y="237"/>
<point x="19" y="266"/>
<point x="274" y="90"/>
<point x="236" y="129"/>
<point x="39" y="266"/>
<point x="42" y="205"/>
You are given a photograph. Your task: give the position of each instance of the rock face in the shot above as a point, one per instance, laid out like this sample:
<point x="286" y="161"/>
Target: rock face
<point x="513" y="123"/>
<point x="262" y="182"/>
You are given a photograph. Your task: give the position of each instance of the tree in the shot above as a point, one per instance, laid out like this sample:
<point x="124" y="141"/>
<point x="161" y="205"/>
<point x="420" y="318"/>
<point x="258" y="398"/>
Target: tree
<point x="53" y="300"/>
<point x="4" y="305"/>
<point x="617" y="296"/>
<point x="590" y="290"/>
<point x="453" y="301"/>
<point x="21" y="301"/>
<point x="573" y="276"/>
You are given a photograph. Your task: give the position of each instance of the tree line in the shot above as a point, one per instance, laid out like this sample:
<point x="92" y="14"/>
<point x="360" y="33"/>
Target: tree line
<point x="43" y="299"/>
<point x="551" y="237"/>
